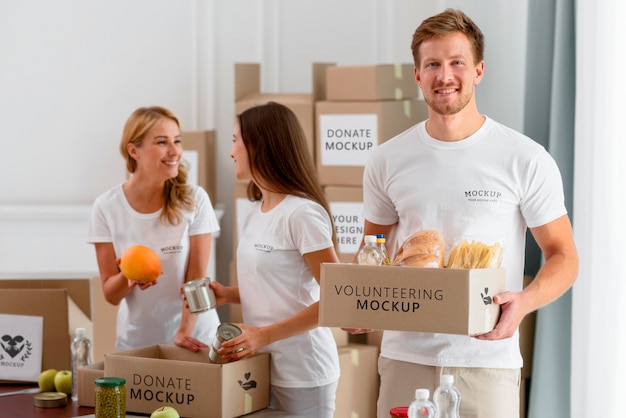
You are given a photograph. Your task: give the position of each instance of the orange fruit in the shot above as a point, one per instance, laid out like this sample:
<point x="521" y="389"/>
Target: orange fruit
<point x="140" y="263"/>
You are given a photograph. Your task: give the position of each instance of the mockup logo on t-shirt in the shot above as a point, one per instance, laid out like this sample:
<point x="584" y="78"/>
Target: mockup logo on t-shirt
<point x="483" y="195"/>
<point x="172" y="249"/>
<point x="263" y="247"/>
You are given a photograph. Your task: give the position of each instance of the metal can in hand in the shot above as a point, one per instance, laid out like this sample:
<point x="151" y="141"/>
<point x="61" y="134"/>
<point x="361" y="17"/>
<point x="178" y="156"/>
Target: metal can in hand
<point x="225" y="331"/>
<point x="199" y="295"/>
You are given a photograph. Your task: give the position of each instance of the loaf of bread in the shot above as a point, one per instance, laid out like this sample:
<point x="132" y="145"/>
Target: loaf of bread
<point x="424" y="248"/>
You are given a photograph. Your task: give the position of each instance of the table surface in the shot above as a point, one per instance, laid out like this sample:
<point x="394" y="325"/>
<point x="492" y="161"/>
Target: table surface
<point x="22" y="406"/>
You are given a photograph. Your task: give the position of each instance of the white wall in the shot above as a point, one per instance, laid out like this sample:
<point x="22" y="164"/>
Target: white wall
<point x="72" y="71"/>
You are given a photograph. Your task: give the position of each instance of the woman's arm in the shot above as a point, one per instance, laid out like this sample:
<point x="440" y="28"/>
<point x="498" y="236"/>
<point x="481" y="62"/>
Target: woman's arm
<point x="253" y="338"/>
<point x="199" y="252"/>
<point x="115" y="286"/>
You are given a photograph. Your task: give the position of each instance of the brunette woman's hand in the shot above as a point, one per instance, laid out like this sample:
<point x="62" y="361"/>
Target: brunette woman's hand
<point x="223" y="294"/>
<point x="251" y="340"/>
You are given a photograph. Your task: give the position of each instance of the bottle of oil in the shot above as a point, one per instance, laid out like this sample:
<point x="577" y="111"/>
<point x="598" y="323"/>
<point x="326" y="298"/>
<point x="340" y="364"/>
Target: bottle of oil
<point x="381" y="242"/>
<point x="370" y="254"/>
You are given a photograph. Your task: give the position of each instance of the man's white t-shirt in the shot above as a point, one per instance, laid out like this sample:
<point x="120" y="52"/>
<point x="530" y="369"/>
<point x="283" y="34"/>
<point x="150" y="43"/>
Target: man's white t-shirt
<point x="488" y="187"/>
<point x="152" y="316"/>
<point x="275" y="283"/>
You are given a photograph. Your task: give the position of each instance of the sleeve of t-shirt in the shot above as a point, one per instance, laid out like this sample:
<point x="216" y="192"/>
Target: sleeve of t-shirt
<point x="544" y="200"/>
<point x="98" y="229"/>
<point x="311" y="228"/>
<point x="377" y="207"/>
<point x="205" y="220"/>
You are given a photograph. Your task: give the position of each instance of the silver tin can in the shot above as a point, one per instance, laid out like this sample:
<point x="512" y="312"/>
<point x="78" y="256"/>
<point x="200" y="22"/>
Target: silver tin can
<point x="199" y="295"/>
<point x="225" y="331"/>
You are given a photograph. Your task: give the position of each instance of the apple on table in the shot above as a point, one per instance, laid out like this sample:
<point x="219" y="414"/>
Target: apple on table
<point x="63" y="382"/>
<point x="46" y="380"/>
<point x="52" y="380"/>
<point x="165" y="412"/>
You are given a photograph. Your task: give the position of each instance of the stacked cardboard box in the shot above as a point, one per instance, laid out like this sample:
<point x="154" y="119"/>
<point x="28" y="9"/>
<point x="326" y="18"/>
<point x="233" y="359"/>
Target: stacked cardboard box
<point x="248" y="94"/>
<point x="357" y="391"/>
<point x="365" y="106"/>
<point x="199" y="156"/>
<point x="346" y="208"/>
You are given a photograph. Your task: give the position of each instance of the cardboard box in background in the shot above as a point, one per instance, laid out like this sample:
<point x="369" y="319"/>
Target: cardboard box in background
<point x="85" y="307"/>
<point x="51" y="304"/>
<point x="86" y="387"/>
<point x="162" y="374"/>
<point x="241" y="206"/>
<point x="104" y="323"/>
<point x="371" y="82"/>
<point x="453" y="301"/>
<point x="357" y="391"/>
<point x="248" y="94"/>
<point x="347" y="133"/>
<point x="340" y="336"/>
<point x="235" y="315"/>
<point x="343" y="399"/>
<point x="199" y="155"/>
<point x="373" y="338"/>
<point x="346" y="208"/>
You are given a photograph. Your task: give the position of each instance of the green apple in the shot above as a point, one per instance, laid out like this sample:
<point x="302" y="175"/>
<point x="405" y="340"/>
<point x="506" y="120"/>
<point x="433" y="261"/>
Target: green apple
<point x="165" y="412"/>
<point x="46" y="380"/>
<point x="63" y="381"/>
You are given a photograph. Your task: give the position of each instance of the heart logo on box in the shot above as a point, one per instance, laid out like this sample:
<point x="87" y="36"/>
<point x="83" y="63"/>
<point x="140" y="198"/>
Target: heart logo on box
<point x="12" y="345"/>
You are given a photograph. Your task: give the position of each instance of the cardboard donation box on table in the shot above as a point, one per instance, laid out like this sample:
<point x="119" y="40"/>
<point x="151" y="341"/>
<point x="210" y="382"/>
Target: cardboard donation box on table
<point x="51" y="305"/>
<point x="85" y="380"/>
<point x="451" y="301"/>
<point x="162" y="375"/>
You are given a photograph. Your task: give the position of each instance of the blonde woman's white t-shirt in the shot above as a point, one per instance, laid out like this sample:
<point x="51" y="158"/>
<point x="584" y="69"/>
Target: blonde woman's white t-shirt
<point x="275" y="283"/>
<point x="152" y="316"/>
<point x="488" y="187"/>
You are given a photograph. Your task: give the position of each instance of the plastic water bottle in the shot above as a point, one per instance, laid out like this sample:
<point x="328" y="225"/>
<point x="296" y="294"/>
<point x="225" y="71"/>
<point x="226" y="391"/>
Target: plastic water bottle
<point x="370" y="254"/>
<point x="422" y="407"/>
<point x="381" y="242"/>
<point x="447" y="398"/>
<point x="81" y="356"/>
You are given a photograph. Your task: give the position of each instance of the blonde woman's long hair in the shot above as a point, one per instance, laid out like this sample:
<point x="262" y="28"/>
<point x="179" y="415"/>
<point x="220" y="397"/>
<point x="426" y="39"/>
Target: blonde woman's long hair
<point x="176" y="192"/>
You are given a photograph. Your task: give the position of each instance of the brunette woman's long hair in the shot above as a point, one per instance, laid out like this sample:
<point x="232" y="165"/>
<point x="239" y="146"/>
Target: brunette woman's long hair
<point x="176" y="193"/>
<point x="278" y="154"/>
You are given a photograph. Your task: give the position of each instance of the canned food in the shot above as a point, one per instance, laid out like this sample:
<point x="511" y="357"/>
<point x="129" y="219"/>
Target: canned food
<point x="225" y="331"/>
<point x="110" y="397"/>
<point x="199" y="295"/>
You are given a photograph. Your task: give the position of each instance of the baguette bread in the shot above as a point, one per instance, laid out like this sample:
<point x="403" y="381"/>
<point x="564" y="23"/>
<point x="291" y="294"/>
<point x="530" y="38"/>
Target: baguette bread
<point x="424" y="248"/>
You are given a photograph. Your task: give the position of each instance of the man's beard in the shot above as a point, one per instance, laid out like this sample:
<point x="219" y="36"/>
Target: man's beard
<point x="448" y="108"/>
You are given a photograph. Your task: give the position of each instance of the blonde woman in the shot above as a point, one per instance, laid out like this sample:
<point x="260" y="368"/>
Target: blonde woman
<point x="156" y="208"/>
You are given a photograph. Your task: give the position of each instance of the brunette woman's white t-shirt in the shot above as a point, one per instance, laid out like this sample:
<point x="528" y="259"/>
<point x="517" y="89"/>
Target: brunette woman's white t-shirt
<point x="275" y="283"/>
<point x="488" y="187"/>
<point x="152" y="316"/>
